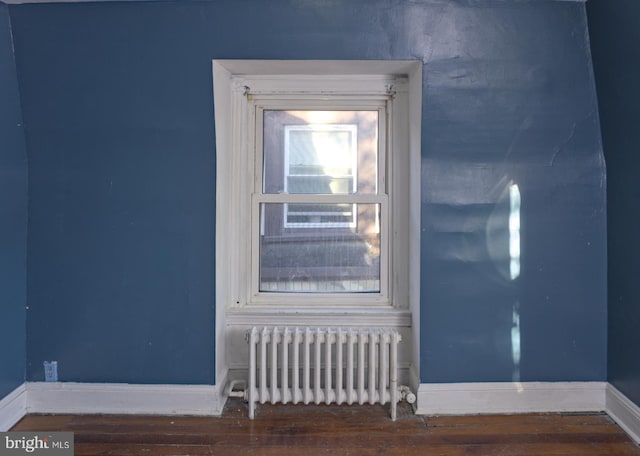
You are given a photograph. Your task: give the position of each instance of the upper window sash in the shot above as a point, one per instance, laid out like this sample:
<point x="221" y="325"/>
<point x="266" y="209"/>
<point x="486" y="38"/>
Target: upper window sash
<point x="259" y="104"/>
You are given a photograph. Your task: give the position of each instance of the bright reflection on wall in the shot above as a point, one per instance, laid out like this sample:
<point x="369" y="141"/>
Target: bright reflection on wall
<point x="515" y="342"/>
<point x="514" y="231"/>
<point x="514" y="268"/>
<point x="503" y="242"/>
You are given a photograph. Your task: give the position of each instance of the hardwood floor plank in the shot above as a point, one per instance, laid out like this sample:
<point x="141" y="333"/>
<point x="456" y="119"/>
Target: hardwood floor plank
<point x="355" y="430"/>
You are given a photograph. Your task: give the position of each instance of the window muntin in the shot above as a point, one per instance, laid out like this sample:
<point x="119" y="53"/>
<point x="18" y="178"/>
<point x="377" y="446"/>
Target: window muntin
<point x="320" y="200"/>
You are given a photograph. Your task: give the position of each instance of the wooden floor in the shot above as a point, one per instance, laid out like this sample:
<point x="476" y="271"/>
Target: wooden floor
<point x="338" y="430"/>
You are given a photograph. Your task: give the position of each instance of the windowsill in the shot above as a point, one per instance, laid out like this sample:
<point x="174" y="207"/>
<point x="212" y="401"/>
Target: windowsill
<point x="326" y="316"/>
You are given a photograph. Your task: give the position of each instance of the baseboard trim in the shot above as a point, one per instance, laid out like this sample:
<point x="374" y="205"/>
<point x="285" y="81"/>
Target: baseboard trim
<point x="116" y="398"/>
<point x="525" y="397"/>
<point x="12" y="408"/>
<point x="623" y="411"/>
<point x="433" y="399"/>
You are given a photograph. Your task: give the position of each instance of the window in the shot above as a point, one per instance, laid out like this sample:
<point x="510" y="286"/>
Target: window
<point x="320" y="197"/>
<point x="320" y="203"/>
<point x="314" y="194"/>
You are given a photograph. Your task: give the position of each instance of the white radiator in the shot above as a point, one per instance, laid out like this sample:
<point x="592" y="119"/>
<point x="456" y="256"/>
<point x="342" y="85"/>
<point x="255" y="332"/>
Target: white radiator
<point x="323" y="365"/>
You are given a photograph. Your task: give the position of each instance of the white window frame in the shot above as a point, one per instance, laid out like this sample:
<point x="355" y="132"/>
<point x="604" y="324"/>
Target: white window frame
<point x="314" y="98"/>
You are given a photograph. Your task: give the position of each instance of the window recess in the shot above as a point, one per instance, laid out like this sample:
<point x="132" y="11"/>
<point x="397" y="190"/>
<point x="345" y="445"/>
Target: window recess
<point x="317" y="197"/>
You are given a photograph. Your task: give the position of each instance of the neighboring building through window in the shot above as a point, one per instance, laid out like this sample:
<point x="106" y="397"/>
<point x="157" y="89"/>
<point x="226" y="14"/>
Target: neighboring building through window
<point x="317" y="235"/>
<point x="320" y="159"/>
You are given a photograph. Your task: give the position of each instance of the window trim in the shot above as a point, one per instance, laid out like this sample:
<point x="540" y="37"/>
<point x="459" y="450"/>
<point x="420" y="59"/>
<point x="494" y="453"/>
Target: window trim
<point x="287" y="79"/>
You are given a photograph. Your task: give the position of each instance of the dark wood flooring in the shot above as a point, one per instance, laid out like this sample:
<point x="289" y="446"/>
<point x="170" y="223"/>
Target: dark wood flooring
<point x="338" y="430"/>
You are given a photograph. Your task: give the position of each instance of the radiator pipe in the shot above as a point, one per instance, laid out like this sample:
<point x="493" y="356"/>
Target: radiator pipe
<point x="242" y="392"/>
<point x="405" y="392"/>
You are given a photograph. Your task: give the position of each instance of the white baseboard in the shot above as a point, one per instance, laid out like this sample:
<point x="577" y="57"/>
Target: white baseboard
<point x="526" y="397"/>
<point x="624" y="412"/>
<point x="12" y="408"/>
<point x="116" y="398"/>
<point x="433" y="399"/>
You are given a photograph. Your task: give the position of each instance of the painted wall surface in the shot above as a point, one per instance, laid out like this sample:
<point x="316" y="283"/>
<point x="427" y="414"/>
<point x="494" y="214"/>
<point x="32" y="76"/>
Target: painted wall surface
<point x="615" y="44"/>
<point x="118" y="103"/>
<point x="13" y="219"/>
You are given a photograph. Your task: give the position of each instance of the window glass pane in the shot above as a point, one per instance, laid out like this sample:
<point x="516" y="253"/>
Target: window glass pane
<point x="337" y="252"/>
<point x="321" y="149"/>
<point x="322" y="152"/>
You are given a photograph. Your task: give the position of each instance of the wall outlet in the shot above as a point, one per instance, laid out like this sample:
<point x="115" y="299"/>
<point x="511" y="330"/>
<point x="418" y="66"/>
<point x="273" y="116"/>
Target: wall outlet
<point x="51" y="371"/>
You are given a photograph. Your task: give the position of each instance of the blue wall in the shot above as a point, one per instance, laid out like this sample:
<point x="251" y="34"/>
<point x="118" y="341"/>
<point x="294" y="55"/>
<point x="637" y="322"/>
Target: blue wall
<point x="13" y="219"/>
<point x="117" y="99"/>
<point x="615" y="43"/>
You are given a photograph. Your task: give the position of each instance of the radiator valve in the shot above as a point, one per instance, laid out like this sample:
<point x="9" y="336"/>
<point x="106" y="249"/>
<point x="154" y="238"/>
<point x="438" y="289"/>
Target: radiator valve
<point x="407" y="395"/>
